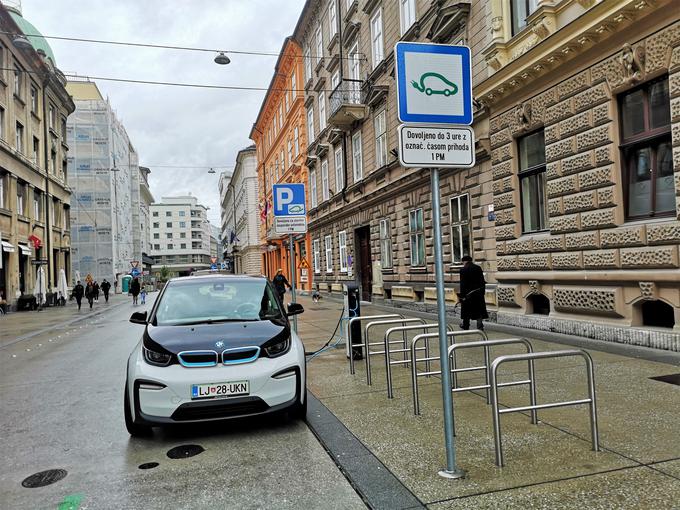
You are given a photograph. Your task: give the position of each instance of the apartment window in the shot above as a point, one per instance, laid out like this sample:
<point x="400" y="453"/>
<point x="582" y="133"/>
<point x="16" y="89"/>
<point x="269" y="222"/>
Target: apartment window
<point x="417" y="237"/>
<point x="182" y="235"/>
<point x="357" y="157"/>
<point x="53" y="162"/>
<point x="380" y="124"/>
<point x="646" y="149"/>
<point x="52" y="115"/>
<point x="460" y="227"/>
<point x="308" y="65"/>
<point x="519" y="11"/>
<point x="156" y="246"/>
<point x="317" y="256"/>
<point x="34" y="99"/>
<point x="169" y="224"/>
<point x="21" y="198"/>
<point x="3" y="190"/>
<point x="156" y="225"/>
<point x="324" y="180"/>
<point x="20" y="137"/>
<point x="531" y="150"/>
<point x="332" y="19"/>
<point x="296" y="139"/>
<point x="310" y="123"/>
<point x="182" y="224"/>
<point x="328" y="240"/>
<point x="339" y="170"/>
<point x="290" y="153"/>
<point x="182" y="213"/>
<point x="407" y="14"/>
<point x="377" y="50"/>
<point x="156" y="236"/>
<point x="169" y="245"/>
<point x="293" y="85"/>
<point x="37" y="205"/>
<point x="155" y="214"/>
<point x="335" y="79"/>
<point x="2" y="122"/>
<point x="168" y="235"/>
<point x="385" y="244"/>
<point x="63" y="128"/>
<point x="342" y="250"/>
<point x="183" y="246"/>
<point x="18" y="81"/>
<point x="276" y="170"/>
<point x="283" y="161"/>
<point x="319" y="44"/>
<point x="168" y="214"/>
<point x="36" y="151"/>
<point x="322" y="110"/>
<point x="312" y="187"/>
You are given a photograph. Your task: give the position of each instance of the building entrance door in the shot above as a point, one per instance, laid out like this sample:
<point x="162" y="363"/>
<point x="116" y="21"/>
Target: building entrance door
<point x="364" y="264"/>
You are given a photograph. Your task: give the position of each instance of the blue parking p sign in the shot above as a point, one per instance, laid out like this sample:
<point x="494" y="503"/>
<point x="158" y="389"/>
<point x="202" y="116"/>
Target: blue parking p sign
<point x="289" y="200"/>
<point x="434" y="83"/>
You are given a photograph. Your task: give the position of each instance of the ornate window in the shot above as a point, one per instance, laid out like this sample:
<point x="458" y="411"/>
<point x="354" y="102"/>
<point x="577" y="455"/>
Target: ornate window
<point x="519" y="11"/>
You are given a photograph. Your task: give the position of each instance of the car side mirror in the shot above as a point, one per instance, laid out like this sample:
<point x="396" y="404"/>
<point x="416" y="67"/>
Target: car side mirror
<point x="295" y="309"/>
<point x="138" y="318"/>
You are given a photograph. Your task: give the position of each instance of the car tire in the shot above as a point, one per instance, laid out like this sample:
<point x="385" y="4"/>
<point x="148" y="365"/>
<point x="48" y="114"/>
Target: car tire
<point x="134" y="429"/>
<point x="299" y="410"/>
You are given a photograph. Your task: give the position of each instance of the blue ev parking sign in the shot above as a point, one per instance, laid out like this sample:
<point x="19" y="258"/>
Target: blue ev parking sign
<point x="289" y="200"/>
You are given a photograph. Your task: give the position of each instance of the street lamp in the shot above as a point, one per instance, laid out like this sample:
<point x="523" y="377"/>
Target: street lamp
<point x="21" y="41"/>
<point x="222" y="59"/>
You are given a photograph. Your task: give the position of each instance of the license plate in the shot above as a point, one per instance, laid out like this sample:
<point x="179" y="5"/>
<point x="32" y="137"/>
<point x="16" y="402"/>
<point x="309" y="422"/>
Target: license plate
<point x="220" y="390"/>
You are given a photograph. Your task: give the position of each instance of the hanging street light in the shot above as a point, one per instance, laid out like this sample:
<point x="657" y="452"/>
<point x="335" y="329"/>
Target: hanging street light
<point x="222" y="59"/>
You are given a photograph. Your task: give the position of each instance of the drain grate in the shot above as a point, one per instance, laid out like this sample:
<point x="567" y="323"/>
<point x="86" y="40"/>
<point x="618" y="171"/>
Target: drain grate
<point x="185" y="451"/>
<point x="148" y="465"/>
<point x="318" y="308"/>
<point x="670" y="379"/>
<point x="44" y="478"/>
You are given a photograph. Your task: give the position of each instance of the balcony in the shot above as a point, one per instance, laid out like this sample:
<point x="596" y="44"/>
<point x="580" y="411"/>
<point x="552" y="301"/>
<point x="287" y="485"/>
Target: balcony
<point x="346" y="104"/>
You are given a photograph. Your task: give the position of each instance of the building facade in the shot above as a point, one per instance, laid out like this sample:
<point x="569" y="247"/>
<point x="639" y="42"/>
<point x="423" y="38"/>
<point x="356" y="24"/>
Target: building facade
<point x="107" y="228"/>
<point x="145" y="201"/>
<point x="240" y="215"/>
<point x="180" y="235"/>
<point x="280" y="136"/>
<point x="584" y="106"/>
<point x="34" y="183"/>
<point x="370" y="219"/>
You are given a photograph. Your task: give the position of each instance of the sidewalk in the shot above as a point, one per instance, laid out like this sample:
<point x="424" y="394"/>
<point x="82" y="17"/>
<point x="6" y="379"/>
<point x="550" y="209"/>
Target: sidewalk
<point x="19" y="326"/>
<point x="550" y="465"/>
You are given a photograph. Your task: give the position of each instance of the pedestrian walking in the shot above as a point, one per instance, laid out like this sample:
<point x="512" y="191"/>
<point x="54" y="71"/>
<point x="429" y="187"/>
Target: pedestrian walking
<point x="89" y="293"/>
<point x="135" y="288"/>
<point x="106" y="286"/>
<point x="78" y="292"/>
<point x="280" y="284"/>
<point x="472" y="294"/>
<point x="95" y="287"/>
<point x="143" y="295"/>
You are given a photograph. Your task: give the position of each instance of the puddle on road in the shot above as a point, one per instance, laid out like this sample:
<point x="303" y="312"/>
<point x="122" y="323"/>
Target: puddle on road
<point x="185" y="451"/>
<point x="44" y="478"/>
<point x="148" y="465"/>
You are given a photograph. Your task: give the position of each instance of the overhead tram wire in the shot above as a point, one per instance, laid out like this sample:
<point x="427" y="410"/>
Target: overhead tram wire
<point x="174" y="47"/>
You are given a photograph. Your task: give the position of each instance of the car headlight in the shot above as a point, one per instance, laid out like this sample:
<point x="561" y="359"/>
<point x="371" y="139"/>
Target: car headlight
<point x="159" y="359"/>
<point x="277" y="349"/>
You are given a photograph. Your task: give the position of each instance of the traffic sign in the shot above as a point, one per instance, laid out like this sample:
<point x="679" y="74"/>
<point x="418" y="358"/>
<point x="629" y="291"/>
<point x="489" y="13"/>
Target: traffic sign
<point x="40" y="262"/>
<point x="441" y="146"/>
<point x="135" y="272"/>
<point x="434" y="83"/>
<point x="290" y="224"/>
<point x="289" y="200"/>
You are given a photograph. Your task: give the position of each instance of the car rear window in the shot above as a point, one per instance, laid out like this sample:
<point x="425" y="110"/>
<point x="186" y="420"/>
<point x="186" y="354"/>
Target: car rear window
<point x="217" y="300"/>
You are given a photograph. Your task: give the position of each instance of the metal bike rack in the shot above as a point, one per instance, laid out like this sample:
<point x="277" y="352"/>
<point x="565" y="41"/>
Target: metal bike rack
<point x="414" y="372"/>
<point x="406" y="360"/>
<point x="349" y="328"/>
<point x="534" y="356"/>
<point x="368" y="344"/>
<point x="487" y="357"/>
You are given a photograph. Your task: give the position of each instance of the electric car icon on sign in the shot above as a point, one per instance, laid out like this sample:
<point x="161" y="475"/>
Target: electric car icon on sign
<point x="435" y="83"/>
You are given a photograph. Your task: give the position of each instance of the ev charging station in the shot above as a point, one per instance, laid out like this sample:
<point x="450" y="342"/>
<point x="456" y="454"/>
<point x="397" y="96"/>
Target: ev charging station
<point x="352" y="300"/>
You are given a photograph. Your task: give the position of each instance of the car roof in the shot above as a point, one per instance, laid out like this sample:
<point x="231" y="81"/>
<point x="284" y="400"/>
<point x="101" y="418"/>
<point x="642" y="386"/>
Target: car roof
<point x="219" y="276"/>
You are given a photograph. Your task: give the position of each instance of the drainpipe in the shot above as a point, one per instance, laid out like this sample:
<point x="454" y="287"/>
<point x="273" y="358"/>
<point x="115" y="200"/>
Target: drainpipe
<point x="344" y="134"/>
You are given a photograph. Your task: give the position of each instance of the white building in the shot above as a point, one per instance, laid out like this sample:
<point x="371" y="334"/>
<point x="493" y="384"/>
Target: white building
<point x="180" y="235"/>
<point x="240" y="214"/>
<point x="145" y="200"/>
<point x="103" y="166"/>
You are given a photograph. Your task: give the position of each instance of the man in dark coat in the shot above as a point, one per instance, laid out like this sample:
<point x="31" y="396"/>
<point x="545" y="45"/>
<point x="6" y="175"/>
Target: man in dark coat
<point x="135" y="287"/>
<point x="472" y="290"/>
<point x="89" y="293"/>
<point x="106" y="286"/>
<point x="95" y="287"/>
<point x="78" y="292"/>
<point x="280" y="284"/>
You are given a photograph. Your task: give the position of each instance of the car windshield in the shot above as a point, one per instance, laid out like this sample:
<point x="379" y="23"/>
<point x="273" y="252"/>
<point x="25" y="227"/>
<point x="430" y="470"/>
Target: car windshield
<point x="217" y="300"/>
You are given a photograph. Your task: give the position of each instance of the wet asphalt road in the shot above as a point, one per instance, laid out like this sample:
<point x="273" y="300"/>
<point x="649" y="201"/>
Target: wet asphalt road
<point x="61" y="408"/>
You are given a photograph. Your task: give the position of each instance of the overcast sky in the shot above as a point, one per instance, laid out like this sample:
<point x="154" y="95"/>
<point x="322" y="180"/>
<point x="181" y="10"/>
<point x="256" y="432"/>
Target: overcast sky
<point x="169" y="125"/>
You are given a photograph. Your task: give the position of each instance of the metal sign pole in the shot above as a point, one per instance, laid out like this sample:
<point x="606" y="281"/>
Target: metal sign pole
<point x="291" y="256"/>
<point x="451" y="470"/>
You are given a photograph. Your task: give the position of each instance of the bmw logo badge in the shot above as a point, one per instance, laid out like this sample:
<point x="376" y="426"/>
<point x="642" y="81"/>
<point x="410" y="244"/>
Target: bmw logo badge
<point x="219" y="344"/>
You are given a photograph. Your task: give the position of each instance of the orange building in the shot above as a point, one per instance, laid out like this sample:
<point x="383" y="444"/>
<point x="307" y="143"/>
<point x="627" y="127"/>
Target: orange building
<point x="280" y="136"/>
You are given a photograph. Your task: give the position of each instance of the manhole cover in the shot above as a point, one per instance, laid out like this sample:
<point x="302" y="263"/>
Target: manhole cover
<point x="185" y="451"/>
<point x="319" y="308"/>
<point x="148" y="465"/>
<point x="670" y="379"/>
<point x="44" y="478"/>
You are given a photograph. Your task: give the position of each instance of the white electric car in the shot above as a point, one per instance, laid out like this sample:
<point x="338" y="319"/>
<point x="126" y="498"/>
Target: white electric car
<point x="214" y="347"/>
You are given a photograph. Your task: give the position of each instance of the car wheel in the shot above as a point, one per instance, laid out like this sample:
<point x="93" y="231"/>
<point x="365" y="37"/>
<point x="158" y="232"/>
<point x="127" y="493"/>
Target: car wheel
<point x="134" y="429"/>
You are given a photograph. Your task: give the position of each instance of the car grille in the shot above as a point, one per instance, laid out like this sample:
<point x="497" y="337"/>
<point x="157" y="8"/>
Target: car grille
<point x="224" y="408"/>
<point x="240" y="355"/>
<point x="197" y="358"/>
